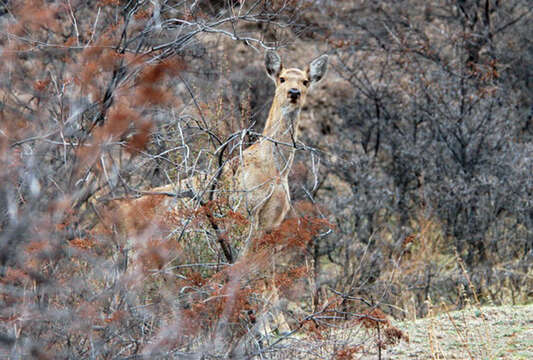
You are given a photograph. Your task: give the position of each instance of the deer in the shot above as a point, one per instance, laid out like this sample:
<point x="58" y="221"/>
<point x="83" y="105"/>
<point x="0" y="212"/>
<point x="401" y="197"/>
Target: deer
<point x="259" y="185"/>
<point x="264" y="170"/>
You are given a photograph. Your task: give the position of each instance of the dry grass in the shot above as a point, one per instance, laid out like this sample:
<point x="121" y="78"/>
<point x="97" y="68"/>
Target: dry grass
<point x="504" y="332"/>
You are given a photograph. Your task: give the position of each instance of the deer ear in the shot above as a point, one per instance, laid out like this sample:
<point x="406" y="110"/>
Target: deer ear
<point x="317" y="68"/>
<point x="273" y="64"/>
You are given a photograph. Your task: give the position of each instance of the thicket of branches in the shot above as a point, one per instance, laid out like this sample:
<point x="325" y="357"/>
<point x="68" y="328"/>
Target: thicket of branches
<point x="413" y="178"/>
<point x="439" y="105"/>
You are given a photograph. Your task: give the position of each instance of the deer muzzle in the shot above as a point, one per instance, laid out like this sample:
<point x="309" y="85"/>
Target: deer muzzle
<point x="294" y="94"/>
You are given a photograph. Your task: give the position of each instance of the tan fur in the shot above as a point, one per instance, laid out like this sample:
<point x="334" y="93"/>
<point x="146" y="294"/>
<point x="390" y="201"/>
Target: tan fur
<point x="260" y="184"/>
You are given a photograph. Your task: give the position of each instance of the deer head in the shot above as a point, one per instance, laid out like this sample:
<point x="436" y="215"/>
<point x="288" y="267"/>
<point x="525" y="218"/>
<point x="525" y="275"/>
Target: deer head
<point x="292" y="84"/>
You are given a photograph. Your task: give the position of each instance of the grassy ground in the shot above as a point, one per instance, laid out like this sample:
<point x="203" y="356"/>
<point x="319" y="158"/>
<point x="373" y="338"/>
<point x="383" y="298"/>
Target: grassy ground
<point x="504" y="332"/>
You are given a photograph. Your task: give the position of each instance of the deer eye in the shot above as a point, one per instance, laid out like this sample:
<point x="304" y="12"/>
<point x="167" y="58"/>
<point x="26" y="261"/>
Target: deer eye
<point x="306" y="83"/>
<point x="281" y="80"/>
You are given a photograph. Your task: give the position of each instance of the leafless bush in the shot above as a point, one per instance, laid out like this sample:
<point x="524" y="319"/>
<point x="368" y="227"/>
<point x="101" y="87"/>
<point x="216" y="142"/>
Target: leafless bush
<point x="433" y="132"/>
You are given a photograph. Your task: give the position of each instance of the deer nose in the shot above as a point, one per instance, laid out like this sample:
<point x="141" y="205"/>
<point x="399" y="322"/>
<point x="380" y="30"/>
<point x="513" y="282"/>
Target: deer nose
<point x="294" y="93"/>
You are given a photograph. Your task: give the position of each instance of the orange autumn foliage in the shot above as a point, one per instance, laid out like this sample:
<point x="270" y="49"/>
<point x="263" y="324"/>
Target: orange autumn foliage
<point x="82" y="243"/>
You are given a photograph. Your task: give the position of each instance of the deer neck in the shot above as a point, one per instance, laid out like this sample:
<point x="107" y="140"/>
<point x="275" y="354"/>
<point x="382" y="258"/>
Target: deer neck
<point x="280" y="136"/>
